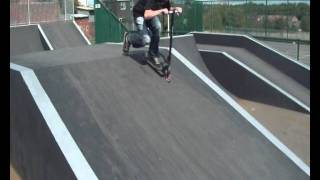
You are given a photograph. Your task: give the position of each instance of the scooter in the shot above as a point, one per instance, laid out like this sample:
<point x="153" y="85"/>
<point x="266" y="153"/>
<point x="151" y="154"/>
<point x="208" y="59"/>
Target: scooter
<point x="165" y="69"/>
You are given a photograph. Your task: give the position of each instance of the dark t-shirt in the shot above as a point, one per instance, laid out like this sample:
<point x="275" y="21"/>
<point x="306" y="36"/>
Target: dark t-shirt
<point x="142" y="5"/>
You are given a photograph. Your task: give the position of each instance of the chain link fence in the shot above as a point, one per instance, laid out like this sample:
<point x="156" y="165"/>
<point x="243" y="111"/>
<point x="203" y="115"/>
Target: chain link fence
<point x="287" y="19"/>
<point x="24" y="12"/>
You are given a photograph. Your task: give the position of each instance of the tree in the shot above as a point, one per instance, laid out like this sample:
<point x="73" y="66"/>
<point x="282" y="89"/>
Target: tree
<point x="305" y="23"/>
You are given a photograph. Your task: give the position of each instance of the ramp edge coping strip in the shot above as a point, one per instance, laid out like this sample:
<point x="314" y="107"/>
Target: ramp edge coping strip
<point x="22" y="25"/>
<point x="66" y="143"/>
<point x="264" y="45"/>
<point x="296" y="100"/>
<point x="243" y="112"/>
<point x="35" y="23"/>
<point x="81" y="32"/>
<point x="177" y="36"/>
<point x="45" y="37"/>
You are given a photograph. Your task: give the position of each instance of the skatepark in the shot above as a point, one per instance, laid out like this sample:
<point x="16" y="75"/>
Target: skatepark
<point x="236" y="108"/>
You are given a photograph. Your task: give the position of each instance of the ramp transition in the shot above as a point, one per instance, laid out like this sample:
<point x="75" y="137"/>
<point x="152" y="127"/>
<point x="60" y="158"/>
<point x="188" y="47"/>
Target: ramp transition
<point x="131" y="124"/>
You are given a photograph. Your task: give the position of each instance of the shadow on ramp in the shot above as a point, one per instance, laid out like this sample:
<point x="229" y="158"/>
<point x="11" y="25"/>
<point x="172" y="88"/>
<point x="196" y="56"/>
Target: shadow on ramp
<point x="139" y="56"/>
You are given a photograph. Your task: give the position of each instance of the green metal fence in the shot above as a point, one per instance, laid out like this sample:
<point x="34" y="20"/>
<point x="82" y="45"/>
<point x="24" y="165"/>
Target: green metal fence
<point x="108" y="28"/>
<point x="282" y="19"/>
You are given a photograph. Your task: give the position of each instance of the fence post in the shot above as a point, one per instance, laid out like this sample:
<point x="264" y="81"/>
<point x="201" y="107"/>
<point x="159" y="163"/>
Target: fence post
<point x="29" y="19"/>
<point x="266" y="19"/>
<point x="298" y="49"/>
<point x="168" y="28"/>
<point x="73" y="10"/>
<point x="65" y="10"/>
<point x="287" y="19"/>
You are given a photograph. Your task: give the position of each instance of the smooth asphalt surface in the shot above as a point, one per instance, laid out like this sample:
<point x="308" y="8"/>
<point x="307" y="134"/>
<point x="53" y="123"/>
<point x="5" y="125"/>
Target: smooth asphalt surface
<point x="26" y="39"/>
<point x="186" y="45"/>
<point x="63" y="34"/>
<point x="282" y="80"/>
<point x="131" y="124"/>
<point x="33" y="150"/>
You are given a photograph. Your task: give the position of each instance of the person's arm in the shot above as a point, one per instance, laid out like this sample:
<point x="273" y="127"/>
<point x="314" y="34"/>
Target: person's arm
<point x="149" y="14"/>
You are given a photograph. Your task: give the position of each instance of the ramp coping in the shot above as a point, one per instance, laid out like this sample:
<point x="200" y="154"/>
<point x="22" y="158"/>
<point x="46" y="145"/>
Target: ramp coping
<point x="45" y="37"/>
<point x="264" y="45"/>
<point x="177" y="36"/>
<point x="81" y="32"/>
<point x="22" y="25"/>
<point x="262" y="78"/>
<point x="62" y="136"/>
<point x="243" y="112"/>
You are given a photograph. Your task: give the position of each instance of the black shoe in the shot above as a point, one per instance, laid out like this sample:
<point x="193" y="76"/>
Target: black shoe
<point x="126" y="44"/>
<point x="155" y="60"/>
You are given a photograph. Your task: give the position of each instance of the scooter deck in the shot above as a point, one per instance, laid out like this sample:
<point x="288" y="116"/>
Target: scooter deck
<point x="159" y="70"/>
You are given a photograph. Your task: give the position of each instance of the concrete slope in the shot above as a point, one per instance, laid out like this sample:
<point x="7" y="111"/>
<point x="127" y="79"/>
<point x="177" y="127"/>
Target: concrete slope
<point x="186" y="45"/>
<point x="131" y="124"/>
<point x="33" y="150"/>
<point x="291" y="77"/>
<point x="63" y="34"/>
<point x="244" y="83"/>
<point x="26" y="39"/>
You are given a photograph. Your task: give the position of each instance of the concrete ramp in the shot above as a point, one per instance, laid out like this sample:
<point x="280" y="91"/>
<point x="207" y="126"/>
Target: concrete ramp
<point x="291" y="76"/>
<point x="26" y="39"/>
<point x="129" y="123"/>
<point x="63" y="34"/>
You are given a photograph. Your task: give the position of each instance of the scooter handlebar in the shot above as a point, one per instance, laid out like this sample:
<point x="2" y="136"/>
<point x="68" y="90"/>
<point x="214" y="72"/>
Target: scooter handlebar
<point x="174" y="11"/>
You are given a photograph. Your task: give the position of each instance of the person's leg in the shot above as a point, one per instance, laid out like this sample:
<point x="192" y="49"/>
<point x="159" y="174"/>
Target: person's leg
<point x="140" y="37"/>
<point x="154" y="25"/>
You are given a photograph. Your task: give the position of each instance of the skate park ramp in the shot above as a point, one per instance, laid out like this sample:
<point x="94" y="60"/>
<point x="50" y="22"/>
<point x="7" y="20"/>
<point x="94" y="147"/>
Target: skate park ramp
<point x="291" y="76"/>
<point x="131" y="124"/>
<point x="26" y="39"/>
<point x="244" y="84"/>
<point x="63" y="34"/>
<point x="237" y="79"/>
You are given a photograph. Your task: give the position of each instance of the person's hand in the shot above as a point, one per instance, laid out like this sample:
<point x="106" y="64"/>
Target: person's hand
<point x="178" y="10"/>
<point x="165" y="11"/>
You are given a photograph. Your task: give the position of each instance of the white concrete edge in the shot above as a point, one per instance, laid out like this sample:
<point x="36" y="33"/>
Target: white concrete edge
<point x="244" y="113"/>
<point x="256" y="41"/>
<point x="274" y="50"/>
<point x="262" y="78"/>
<point x="178" y="36"/>
<point x="62" y="136"/>
<point x="219" y="33"/>
<point x="81" y="32"/>
<point x="22" y="25"/>
<point x="45" y="37"/>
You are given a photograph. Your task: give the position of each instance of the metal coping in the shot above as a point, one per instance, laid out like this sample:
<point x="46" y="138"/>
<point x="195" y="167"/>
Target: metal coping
<point x="62" y="136"/>
<point x="262" y="78"/>
<point x="45" y="37"/>
<point x="81" y="32"/>
<point x="22" y="25"/>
